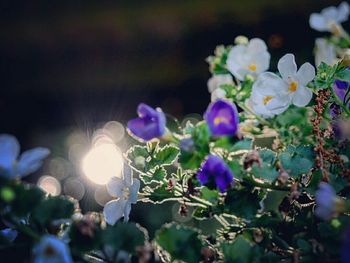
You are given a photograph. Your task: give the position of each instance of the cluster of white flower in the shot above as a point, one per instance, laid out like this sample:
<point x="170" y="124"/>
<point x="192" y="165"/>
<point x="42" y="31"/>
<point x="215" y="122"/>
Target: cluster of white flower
<point x="271" y="93"/>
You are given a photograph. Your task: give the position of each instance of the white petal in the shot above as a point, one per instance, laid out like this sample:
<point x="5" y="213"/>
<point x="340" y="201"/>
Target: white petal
<point x="262" y="61"/>
<point x="127" y="172"/>
<point x="325" y="52"/>
<point x="217" y="80"/>
<point x="318" y="22"/>
<point x="9" y="150"/>
<point x="127" y="210"/>
<point x="269" y="83"/>
<point x="330" y="13"/>
<point x="31" y="160"/>
<point x="235" y="61"/>
<point x="306" y="74"/>
<point x="287" y="66"/>
<point x="134" y="189"/>
<point x="218" y="94"/>
<point x="256" y="45"/>
<point x="114" y="210"/>
<point x="343" y="12"/>
<point x="115" y="187"/>
<point x="302" y="96"/>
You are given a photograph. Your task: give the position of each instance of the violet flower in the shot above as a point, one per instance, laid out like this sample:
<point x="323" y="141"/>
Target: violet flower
<point x="150" y="123"/>
<point x="222" y="118"/>
<point x="214" y="173"/>
<point x="326" y="199"/>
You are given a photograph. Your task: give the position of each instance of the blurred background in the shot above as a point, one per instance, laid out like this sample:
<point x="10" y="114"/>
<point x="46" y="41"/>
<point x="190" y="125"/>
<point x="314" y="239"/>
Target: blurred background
<point x="69" y="68"/>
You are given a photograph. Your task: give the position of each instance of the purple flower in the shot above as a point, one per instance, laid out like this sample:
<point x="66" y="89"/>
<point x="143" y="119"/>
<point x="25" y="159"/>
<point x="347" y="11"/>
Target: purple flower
<point x="215" y="173"/>
<point x="150" y="123"/>
<point x="325" y="201"/>
<point x="222" y="118"/>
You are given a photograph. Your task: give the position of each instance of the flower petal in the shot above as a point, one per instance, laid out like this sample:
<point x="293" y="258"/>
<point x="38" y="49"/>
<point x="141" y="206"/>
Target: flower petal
<point x="236" y="61"/>
<point x="134" y="189"/>
<point x="127" y="173"/>
<point x="318" y="22"/>
<point x="31" y="160"/>
<point x="287" y="67"/>
<point x="305" y="74"/>
<point x="115" y="187"/>
<point x="343" y="12"/>
<point x="256" y="45"/>
<point x="9" y="150"/>
<point x="218" y="94"/>
<point x="114" y="210"/>
<point x="302" y="96"/>
<point x="127" y="210"/>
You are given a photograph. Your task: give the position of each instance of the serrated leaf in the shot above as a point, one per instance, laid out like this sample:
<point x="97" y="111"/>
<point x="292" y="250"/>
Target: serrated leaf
<point x="245" y="144"/>
<point x="180" y="242"/>
<point x="273" y="200"/>
<point x="265" y="171"/>
<point x="157" y="175"/>
<point x="167" y="155"/>
<point x="159" y="194"/>
<point x="267" y="156"/>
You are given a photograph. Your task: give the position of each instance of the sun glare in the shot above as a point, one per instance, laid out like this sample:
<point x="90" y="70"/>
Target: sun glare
<point x="102" y="162"/>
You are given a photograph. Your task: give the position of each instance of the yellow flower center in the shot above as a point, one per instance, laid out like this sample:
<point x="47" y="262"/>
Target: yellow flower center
<point x="219" y="120"/>
<point x="267" y="99"/>
<point x="293" y="86"/>
<point x="252" y="67"/>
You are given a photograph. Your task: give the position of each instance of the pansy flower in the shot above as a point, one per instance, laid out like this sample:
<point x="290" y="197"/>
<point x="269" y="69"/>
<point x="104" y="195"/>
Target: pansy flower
<point x="125" y="190"/>
<point x="150" y="123"/>
<point x="330" y="18"/>
<point x="214" y="173"/>
<point x="28" y="162"/>
<point x="251" y="59"/>
<point x="222" y="118"/>
<point x="50" y="249"/>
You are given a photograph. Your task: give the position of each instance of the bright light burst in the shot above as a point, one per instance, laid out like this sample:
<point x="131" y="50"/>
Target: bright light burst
<point x="103" y="161"/>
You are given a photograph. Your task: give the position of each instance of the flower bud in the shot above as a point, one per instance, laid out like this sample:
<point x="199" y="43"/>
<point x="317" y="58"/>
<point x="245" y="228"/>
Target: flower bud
<point x="251" y="158"/>
<point x="241" y="40"/>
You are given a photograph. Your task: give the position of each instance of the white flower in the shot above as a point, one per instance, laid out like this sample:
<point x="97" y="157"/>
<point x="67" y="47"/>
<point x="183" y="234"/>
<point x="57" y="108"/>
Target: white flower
<point x="218" y="94"/>
<point x="324" y="52"/>
<point x="268" y="96"/>
<point x="295" y="81"/>
<point x="125" y="190"/>
<point x="251" y="59"/>
<point x="217" y="80"/>
<point x="330" y="18"/>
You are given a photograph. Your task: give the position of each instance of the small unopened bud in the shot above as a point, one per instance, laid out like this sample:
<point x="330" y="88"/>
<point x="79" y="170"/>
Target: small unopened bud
<point x="183" y="210"/>
<point x="251" y="158"/>
<point x="171" y="184"/>
<point x="283" y="177"/>
<point x="346" y="60"/>
<point x="7" y="194"/>
<point x="140" y="161"/>
<point x="241" y="40"/>
<point x="258" y="235"/>
<point x="208" y="254"/>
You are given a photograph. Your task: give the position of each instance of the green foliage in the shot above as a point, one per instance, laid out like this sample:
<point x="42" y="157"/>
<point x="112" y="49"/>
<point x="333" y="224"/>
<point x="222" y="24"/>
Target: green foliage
<point x="180" y="242"/>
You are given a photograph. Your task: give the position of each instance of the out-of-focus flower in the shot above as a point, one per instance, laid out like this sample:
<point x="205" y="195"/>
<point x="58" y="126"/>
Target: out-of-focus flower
<point x="217" y="80"/>
<point x="9" y="234"/>
<point x="215" y="173"/>
<point x="330" y="18"/>
<point x="341" y="129"/>
<point x="218" y="94"/>
<point x="187" y="145"/>
<point x="327" y="202"/>
<point x="296" y="81"/>
<point x="29" y="161"/>
<point x="222" y="118"/>
<point x="51" y="250"/>
<point x="125" y="190"/>
<point x="324" y="52"/>
<point x="150" y="123"/>
<point x="268" y="98"/>
<point x="251" y="59"/>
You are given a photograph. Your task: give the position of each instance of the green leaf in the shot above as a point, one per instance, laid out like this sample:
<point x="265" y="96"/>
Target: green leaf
<point x="236" y="168"/>
<point x="242" y="203"/>
<point x="209" y="195"/>
<point x="265" y="172"/>
<point x="180" y="242"/>
<point x="343" y="74"/>
<point x="26" y="199"/>
<point x="240" y="251"/>
<point x="245" y="144"/>
<point x="297" y="160"/>
<point x="51" y="209"/>
<point x="158" y="175"/>
<point x="273" y="200"/>
<point x="124" y="236"/>
<point x="167" y="155"/>
<point x="159" y="194"/>
<point x="267" y="156"/>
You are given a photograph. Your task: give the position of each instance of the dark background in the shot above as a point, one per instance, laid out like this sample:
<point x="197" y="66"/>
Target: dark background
<point x="68" y="65"/>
